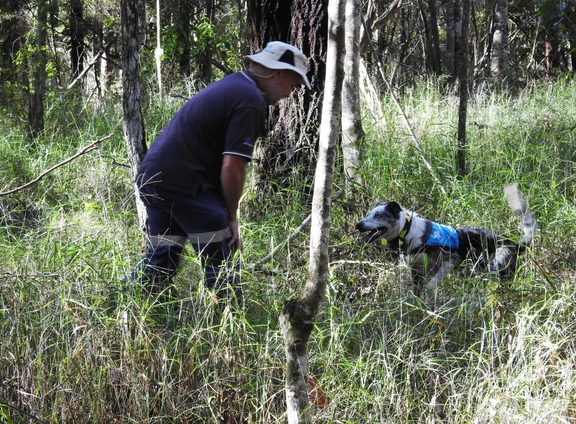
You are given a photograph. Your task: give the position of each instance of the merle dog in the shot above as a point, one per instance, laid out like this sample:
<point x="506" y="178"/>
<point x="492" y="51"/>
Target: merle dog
<point x="432" y="250"/>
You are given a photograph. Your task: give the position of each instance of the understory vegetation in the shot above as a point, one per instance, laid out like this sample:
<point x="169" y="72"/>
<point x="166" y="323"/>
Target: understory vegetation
<point x="490" y="352"/>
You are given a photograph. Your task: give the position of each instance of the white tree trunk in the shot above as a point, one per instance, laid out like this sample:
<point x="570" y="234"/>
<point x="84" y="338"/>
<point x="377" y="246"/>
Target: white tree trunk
<point x="352" y="132"/>
<point x="298" y="315"/>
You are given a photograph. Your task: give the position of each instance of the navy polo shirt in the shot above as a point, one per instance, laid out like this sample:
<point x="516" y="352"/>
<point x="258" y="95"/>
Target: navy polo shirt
<point x="224" y="118"/>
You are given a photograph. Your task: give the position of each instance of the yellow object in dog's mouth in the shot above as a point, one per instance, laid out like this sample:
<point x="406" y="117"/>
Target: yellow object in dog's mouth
<point x="384" y="242"/>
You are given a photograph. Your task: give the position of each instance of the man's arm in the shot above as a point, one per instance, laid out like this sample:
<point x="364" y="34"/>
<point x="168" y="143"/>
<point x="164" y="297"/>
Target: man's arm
<point x="233" y="176"/>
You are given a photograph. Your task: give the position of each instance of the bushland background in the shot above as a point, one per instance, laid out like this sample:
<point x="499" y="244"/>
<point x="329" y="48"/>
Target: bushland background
<point x="491" y="351"/>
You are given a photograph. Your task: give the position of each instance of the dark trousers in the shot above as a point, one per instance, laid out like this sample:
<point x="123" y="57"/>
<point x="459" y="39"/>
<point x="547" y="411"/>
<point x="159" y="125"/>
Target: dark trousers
<point x="174" y="218"/>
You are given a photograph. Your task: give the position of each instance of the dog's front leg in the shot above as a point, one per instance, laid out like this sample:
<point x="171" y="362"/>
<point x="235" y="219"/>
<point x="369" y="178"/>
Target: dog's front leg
<point x="418" y="282"/>
<point x="432" y="286"/>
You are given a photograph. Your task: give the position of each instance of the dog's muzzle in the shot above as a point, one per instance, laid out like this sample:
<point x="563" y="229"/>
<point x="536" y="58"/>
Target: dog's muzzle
<point x="373" y="235"/>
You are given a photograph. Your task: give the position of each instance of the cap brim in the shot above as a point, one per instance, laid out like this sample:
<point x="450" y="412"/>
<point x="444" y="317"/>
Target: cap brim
<point x="273" y="64"/>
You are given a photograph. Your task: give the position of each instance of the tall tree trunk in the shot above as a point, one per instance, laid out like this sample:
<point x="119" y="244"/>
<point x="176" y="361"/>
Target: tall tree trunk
<point x="268" y="20"/>
<point x="352" y="131"/>
<point x="132" y="16"/>
<point x="77" y="30"/>
<point x="450" y="38"/>
<point x="183" y="36"/>
<point x="298" y="315"/>
<point x="435" y="38"/>
<point x="462" y="74"/>
<point x="499" y="55"/>
<point x="431" y="52"/>
<point x="38" y="73"/>
<point x="291" y="145"/>
<point x="206" y="68"/>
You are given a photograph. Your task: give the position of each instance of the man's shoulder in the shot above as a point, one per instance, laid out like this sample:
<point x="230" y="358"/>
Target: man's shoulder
<point x="238" y="83"/>
<point x="239" y="80"/>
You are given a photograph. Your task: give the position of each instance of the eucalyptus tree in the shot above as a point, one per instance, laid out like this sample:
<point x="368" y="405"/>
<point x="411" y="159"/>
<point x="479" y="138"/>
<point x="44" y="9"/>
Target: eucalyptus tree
<point x="500" y="41"/>
<point x="292" y="140"/>
<point x="352" y="131"/>
<point x="462" y="75"/>
<point x="299" y="313"/>
<point x="37" y="74"/>
<point x="77" y="31"/>
<point x="132" y="17"/>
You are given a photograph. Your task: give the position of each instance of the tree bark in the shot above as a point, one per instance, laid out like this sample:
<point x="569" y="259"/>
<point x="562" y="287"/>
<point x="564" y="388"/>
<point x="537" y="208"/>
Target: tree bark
<point x="435" y="38"/>
<point x="499" y="55"/>
<point x="206" y="66"/>
<point x="77" y="30"/>
<point x="38" y="66"/>
<point x="183" y="36"/>
<point x="291" y="144"/>
<point x="298" y="315"/>
<point x="430" y="24"/>
<point x="462" y="74"/>
<point x="352" y="131"/>
<point x="450" y="38"/>
<point x="132" y="16"/>
<point x="268" y="20"/>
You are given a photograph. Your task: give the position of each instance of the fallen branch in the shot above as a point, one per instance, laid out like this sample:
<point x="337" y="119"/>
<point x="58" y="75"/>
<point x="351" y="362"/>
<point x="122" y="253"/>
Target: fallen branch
<point x="292" y="236"/>
<point x="86" y="149"/>
<point x="179" y="96"/>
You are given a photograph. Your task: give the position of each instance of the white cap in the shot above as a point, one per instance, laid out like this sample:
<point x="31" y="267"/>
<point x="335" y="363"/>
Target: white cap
<point x="279" y="55"/>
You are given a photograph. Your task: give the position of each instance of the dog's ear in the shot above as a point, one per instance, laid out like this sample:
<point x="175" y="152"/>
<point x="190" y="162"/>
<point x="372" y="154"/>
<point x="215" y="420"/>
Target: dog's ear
<point x="380" y="204"/>
<point x="394" y="208"/>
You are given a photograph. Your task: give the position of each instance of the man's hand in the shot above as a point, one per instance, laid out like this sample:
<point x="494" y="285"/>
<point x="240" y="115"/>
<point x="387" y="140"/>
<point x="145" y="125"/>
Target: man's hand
<point x="235" y="241"/>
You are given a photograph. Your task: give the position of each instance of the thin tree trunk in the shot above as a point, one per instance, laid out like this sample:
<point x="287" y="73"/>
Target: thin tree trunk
<point x="462" y="73"/>
<point x="429" y="21"/>
<point x="38" y="66"/>
<point x="352" y="131"/>
<point x="206" y="66"/>
<point x="132" y="21"/>
<point x="183" y="35"/>
<point x="450" y="38"/>
<point x="76" y="19"/>
<point x="499" y="60"/>
<point x="298" y="315"/>
<point x="435" y="41"/>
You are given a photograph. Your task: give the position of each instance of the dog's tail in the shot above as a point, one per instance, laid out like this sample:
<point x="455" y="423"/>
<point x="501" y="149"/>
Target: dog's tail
<point x="519" y="205"/>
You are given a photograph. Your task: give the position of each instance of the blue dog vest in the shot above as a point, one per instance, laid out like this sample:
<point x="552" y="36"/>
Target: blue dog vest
<point x="443" y="236"/>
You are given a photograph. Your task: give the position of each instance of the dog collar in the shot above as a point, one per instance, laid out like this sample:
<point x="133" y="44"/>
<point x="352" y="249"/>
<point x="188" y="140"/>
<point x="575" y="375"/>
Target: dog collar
<point x="405" y="230"/>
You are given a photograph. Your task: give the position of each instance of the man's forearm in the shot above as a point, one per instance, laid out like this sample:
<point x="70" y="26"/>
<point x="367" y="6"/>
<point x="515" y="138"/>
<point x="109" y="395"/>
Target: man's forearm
<point x="233" y="177"/>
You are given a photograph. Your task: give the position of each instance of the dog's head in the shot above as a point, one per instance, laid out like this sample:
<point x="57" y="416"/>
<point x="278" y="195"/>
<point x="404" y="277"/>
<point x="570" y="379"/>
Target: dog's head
<point x="384" y="222"/>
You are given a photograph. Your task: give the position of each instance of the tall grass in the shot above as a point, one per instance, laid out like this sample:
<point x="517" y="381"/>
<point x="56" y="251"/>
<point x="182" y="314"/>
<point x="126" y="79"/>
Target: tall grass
<point x="491" y="352"/>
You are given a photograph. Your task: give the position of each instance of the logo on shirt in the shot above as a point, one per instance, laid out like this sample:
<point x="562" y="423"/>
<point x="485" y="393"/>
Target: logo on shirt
<point x="444" y="236"/>
<point x="436" y="235"/>
<point x="248" y="142"/>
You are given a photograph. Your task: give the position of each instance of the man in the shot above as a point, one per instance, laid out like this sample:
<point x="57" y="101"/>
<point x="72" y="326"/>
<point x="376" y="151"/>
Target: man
<point x="193" y="175"/>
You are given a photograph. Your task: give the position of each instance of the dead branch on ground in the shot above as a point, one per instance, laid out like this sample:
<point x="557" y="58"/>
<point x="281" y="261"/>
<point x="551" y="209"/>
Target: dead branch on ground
<point x="86" y="149"/>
